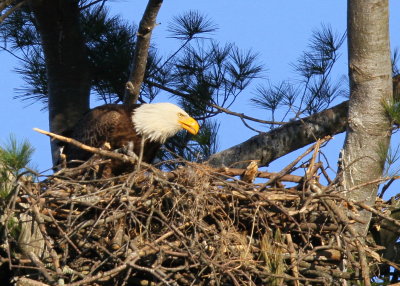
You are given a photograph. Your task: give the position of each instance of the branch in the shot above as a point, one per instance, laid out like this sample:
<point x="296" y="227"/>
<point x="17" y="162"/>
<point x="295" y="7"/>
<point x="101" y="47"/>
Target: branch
<point x="9" y="11"/>
<point x="220" y="108"/>
<point x="259" y="174"/>
<point x="88" y="148"/>
<point x="267" y="147"/>
<point x="140" y="56"/>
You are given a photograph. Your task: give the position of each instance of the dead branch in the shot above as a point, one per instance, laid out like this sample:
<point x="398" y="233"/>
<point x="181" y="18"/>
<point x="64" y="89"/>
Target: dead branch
<point x="88" y="148"/>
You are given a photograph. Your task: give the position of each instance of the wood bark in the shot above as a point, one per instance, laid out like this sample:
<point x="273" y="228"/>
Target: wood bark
<point x="66" y="62"/>
<point x="141" y="54"/>
<point x="368" y="132"/>
<point x="267" y="147"/>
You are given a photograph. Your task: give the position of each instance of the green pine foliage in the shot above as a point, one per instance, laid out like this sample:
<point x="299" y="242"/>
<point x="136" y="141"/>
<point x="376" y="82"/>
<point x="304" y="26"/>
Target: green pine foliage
<point x="14" y="158"/>
<point x="315" y="90"/>
<point x="200" y="69"/>
<point x="200" y="73"/>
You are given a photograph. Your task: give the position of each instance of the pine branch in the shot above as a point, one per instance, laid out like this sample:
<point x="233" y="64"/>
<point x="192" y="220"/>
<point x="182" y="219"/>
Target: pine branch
<point x="140" y="56"/>
<point x="219" y="108"/>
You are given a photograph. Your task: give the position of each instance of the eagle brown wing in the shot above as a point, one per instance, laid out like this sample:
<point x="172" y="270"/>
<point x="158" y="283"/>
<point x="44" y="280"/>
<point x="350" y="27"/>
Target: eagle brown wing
<point x="110" y="123"/>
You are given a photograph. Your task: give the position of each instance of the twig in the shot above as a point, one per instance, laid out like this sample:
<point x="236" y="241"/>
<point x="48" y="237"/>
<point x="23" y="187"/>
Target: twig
<point x="220" y="108"/>
<point x="291" y="165"/>
<point x="378" y="213"/>
<point x="362" y="256"/>
<point x="41" y="267"/>
<point x="259" y="174"/>
<point x="376" y="181"/>
<point x="23" y="281"/>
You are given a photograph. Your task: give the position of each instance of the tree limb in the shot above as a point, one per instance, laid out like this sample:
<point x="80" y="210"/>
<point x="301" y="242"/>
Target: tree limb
<point x="140" y="56"/>
<point x="88" y="148"/>
<point x="267" y="147"/>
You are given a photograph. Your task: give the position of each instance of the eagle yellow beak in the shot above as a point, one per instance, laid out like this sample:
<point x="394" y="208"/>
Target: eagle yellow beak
<point x="189" y="124"/>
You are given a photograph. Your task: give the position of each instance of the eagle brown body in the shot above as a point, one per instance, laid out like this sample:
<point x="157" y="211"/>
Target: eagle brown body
<point x="121" y="125"/>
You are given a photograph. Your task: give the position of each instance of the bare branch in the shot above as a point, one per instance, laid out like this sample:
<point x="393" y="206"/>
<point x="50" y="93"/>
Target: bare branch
<point x="267" y="147"/>
<point x="140" y="56"/>
<point x="93" y="150"/>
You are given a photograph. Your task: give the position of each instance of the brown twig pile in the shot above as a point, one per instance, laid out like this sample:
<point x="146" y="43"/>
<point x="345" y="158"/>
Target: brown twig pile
<point x="192" y="226"/>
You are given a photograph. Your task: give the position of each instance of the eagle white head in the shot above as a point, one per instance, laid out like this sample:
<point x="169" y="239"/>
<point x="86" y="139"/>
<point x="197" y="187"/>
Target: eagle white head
<point x="159" y="121"/>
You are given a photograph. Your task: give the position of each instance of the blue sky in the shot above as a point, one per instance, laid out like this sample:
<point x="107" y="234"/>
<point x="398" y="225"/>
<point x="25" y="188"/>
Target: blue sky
<point x="278" y="30"/>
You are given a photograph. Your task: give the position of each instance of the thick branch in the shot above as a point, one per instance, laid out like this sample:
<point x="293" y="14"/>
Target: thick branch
<point x="267" y="147"/>
<point x="140" y="56"/>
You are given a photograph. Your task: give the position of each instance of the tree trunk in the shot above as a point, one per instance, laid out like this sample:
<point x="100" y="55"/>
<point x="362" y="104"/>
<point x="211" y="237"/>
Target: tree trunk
<point x="368" y="131"/>
<point x="66" y="62"/>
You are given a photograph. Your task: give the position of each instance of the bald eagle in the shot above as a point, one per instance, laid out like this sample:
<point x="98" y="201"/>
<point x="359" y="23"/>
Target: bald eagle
<point x="150" y="124"/>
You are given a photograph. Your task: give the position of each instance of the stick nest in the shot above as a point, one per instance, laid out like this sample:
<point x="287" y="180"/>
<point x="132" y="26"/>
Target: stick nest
<point x="193" y="226"/>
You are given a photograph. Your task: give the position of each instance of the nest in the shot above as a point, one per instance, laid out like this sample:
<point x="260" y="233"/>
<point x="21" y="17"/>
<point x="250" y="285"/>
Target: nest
<point x="192" y="226"/>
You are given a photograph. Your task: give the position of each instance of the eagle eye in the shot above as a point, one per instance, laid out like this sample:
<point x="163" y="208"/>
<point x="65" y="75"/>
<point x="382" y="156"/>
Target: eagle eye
<point x="180" y="115"/>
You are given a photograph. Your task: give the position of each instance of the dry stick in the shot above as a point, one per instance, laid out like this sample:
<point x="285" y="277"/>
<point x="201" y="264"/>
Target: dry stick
<point x="101" y="275"/>
<point x="105" y="153"/>
<point x="376" y="181"/>
<point x="310" y="168"/>
<point x="233" y="278"/>
<point x="98" y="222"/>
<point x="40" y="221"/>
<point x="64" y="234"/>
<point x="103" y="212"/>
<point x="291" y="165"/>
<point x="374" y="211"/>
<point x="141" y="53"/>
<point x="155" y="272"/>
<point x="363" y="260"/>
<point x="331" y="272"/>
<point x="23" y="281"/>
<point x="385" y="187"/>
<point x="326" y="175"/>
<point x="41" y="267"/>
<point x="88" y="148"/>
<point x="268" y="175"/>
<point x="129" y="260"/>
<point x="292" y="252"/>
